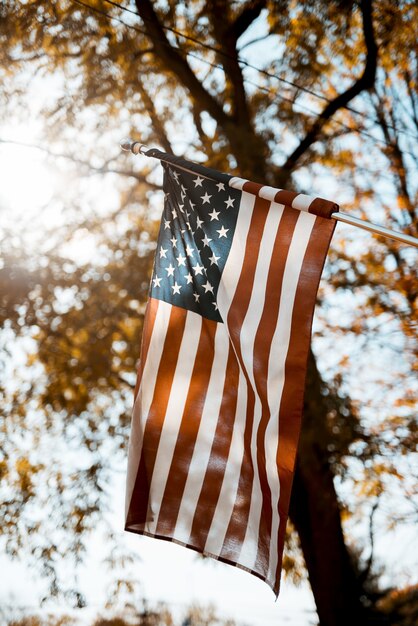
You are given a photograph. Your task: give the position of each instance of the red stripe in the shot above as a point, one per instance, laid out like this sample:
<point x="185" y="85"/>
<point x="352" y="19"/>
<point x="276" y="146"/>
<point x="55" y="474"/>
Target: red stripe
<point x="188" y="430"/>
<point x="238" y="523"/>
<point x="262" y="344"/>
<point x="285" y="197"/>
<point x="295" y="368"/>
<point x="138" y="509"/>
<point x="323" y="208"/>
<point x="212" y="483"/>
<point x="149" y="319"/>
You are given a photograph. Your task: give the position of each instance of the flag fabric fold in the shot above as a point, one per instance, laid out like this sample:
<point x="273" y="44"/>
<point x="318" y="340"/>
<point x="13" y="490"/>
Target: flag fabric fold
<point x="220" y="382"/>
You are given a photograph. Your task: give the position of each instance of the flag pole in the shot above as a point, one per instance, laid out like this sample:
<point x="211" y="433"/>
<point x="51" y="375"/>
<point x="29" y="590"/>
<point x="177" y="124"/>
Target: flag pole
<point x="128" y="145"/>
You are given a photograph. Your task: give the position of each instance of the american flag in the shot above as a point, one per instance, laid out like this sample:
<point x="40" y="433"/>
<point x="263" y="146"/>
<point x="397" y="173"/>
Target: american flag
<point x="220" y="383"/>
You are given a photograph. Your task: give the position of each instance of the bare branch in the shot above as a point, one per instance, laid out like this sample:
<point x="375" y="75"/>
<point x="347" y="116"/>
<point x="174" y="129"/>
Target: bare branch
<point x="157" y="124"/>
<point x="227" y="33"/>
<point x="173" y="60"/>
<point x="248" y="15"/>
<point x="366" y="81"/>
<point x="255" y="40"/>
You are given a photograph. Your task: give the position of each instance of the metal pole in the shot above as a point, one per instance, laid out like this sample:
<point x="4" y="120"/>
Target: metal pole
<point x="137" y="148"/>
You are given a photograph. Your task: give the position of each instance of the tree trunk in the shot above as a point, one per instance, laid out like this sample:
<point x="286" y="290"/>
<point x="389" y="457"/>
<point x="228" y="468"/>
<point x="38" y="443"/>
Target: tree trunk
<point x="315" y="512"/>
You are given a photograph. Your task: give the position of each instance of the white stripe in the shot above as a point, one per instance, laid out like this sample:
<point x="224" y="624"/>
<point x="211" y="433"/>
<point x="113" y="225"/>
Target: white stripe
<point x="232" y="269"/>
<point x="302" y="202"/>
<point x="276" y="369"/>
<point x="227" y="496"/>
<point x="268" y="193"/>
<point x="173" y="415"/>
<point x="145" y="394"/>
<point x="237" y="183"/>
<point x="258" y="288"/>
<point x="247" y="339"/>
<point x="205" y="437"/>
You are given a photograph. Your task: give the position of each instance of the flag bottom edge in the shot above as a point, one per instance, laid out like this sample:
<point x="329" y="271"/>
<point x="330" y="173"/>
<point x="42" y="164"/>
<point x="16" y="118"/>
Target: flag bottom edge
<point x="131" y="528"/>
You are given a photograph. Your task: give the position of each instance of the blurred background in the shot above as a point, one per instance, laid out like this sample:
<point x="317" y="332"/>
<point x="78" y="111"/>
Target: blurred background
<point x="319" y="97"/>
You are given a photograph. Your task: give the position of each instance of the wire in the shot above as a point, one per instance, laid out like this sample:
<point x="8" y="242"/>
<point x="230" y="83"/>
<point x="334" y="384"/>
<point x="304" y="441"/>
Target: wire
<point x="258" y="69"/>
<point x="248" y="81"/>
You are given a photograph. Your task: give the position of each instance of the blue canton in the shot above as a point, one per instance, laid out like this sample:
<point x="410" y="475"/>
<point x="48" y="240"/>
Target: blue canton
<point x="196" y="232"/>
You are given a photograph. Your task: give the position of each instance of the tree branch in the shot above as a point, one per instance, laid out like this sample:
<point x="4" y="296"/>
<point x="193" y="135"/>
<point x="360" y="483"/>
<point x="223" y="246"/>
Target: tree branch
<point x="255" y="40"/>
<point x="157" y="124"/>
<point x="227" y="33"/>
<point x="171" y="58"/>
<point x="366" y="81"/>
<point x="249" y="13"/>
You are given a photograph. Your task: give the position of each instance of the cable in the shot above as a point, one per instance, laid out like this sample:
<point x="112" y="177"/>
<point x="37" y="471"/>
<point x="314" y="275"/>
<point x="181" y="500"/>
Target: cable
<point x="258" y="69"/>
<point x="248" y="81"/>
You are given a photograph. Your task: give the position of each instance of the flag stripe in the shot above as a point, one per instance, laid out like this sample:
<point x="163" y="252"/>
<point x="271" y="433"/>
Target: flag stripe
<point x="188" y="430"/>
<point x="268" y="470"/>
<point x="237" y="312"/>
<point x="155" y="326"/>
<point x="148" y="326"/>
<point x="277" y="358"/>
<point x="219" y="446"/>
<point x="248" y="336"/>
<point x="202" y="451"/>
<point x="295" y="370"/>
<point x="168" y="337"/>
<point x="217" y="537"/>
<point x="176" y="390"/>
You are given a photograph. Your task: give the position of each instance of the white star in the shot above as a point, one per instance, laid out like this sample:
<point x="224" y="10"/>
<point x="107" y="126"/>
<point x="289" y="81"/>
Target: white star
<point x="192" y="204"/>
<point x="215" y="305"/>
<point x="174" y="213"/>
<point x="176" y="288"/>
<point x="206" y="241"/>
<point x="198" y="181"/>
<point x="229" y="202"/>
<point x="198" y="269"/>
<point x="196" y="297"/>
<point x="222" y="232"/>
<point x="176" y="176"/>
<point x="183" y="195"/>
<point x="156" y="281"/>
<point x="206" y="198"/>
<point x="214" y="215"/>
<point x="173" y="242"/>
<point x="220" y="186"/>
<point x="181" y="207"/>
<point x="189" y="250"/>
<point x="169" y="270"/>
<point x="166" y="195"/>
<point x="163" y="253"/>
<point x="181" y="259"/>
<point x="208" y="287"/>
<point x="189" y="278"/>
<point x="214" y="259"/>
<point x="183" y="188"/>
<point x="199" y="222"/>
<point x="166" y="224"/>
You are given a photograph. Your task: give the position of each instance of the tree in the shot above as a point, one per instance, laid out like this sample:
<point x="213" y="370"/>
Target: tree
<point x="163" y="66"/>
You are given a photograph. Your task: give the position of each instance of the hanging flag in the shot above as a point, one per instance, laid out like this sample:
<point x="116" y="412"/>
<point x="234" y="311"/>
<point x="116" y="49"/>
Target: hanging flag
<point x="220" y="384"/>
